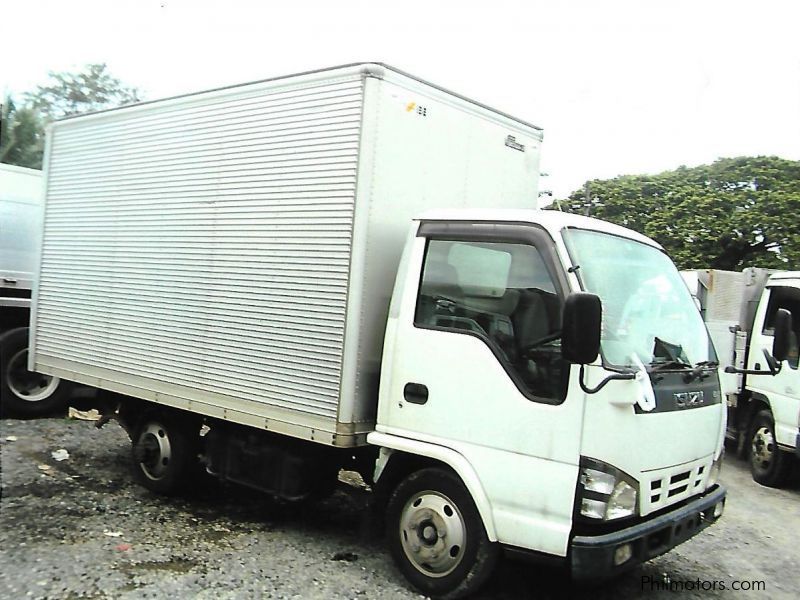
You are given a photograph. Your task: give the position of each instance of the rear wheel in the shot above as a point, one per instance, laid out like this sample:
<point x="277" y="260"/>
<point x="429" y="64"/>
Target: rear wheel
<point x="436" y="535"/>
<point x="165" y="453"/>
<point x="769" y="464"/>
<point x="24" y="393"/>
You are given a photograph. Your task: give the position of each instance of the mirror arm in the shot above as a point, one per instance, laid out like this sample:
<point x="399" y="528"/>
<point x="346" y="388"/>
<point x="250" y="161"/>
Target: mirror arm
<point x="602" y="384"/>
<point x="774" y="367"/>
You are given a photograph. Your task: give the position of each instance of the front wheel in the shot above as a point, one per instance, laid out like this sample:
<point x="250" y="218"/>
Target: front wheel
<point x="769" y="464"/>
<point x="436" y="535"/>
<point x="24" y="393"/>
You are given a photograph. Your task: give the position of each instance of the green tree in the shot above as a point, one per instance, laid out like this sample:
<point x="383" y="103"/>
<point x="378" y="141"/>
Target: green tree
<point x="68" y="94"/>
<point x="734" y="213"/>
<point x="21" y="135"/>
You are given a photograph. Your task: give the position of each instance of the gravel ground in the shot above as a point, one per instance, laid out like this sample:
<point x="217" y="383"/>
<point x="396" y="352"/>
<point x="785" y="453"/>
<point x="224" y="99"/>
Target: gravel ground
<point x="80" y="528"/>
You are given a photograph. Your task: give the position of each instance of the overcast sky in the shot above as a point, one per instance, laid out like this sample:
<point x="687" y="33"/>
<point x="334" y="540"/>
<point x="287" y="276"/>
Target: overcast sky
<point x="619" y="87"/>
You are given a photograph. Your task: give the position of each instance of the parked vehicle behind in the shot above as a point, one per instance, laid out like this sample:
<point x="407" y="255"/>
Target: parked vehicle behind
<point x="22" y="392"/>
<point x="743" y="314"/>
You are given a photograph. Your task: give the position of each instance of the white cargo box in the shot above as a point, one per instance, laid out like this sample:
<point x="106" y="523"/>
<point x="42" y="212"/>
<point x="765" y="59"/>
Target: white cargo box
<point x="233" y="252"/>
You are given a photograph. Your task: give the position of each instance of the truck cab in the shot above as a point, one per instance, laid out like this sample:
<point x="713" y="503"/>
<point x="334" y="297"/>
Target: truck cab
<point x="773" y="398"/>
<point x="597" y="439"/>
<point x="742" y="311"/>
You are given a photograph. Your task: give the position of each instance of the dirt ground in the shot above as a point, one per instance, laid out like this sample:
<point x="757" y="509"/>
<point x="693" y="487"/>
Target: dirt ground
<point x="80" y="528"/>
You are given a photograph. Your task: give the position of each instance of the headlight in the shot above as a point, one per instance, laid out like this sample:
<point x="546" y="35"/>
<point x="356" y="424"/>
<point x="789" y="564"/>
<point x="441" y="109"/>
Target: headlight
<point x="713" y="473"/>
<point x="605" y="492"/>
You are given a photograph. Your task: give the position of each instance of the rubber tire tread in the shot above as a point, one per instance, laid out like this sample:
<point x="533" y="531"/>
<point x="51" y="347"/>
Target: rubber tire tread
<point x="778" y="473"/>
<point x="480" y="556"/>
<point x="11" y="342"/>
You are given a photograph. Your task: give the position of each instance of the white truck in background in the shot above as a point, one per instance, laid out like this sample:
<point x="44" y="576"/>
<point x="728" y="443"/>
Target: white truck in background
<point x="22" y="392"/>
<point x="265" y="286"/>
<point x="741" y="310"/>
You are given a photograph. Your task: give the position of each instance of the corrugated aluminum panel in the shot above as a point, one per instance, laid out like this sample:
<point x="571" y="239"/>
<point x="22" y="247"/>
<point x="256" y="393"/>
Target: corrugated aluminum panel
<point x="205" y="242"/>
<point x="724" y="296"/>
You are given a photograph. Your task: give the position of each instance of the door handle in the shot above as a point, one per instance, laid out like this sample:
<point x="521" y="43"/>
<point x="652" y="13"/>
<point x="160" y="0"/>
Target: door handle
<point x="416" y="393"/>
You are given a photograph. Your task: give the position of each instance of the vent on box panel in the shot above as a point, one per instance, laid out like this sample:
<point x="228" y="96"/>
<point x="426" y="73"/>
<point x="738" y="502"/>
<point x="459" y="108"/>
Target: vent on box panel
<point x="422" y="110"/>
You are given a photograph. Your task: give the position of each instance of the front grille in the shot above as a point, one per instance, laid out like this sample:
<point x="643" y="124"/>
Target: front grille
<point x="673" y="484"/>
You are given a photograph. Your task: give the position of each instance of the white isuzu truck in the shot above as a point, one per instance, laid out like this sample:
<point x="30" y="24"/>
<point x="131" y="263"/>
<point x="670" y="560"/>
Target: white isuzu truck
<point x="22" y="392"/>
<point x="343" y="269"/>
<point x="743" y="313"/>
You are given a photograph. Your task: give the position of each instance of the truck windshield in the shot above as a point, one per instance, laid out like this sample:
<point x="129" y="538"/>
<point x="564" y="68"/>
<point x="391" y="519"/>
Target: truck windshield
<point x="649" y="316"/>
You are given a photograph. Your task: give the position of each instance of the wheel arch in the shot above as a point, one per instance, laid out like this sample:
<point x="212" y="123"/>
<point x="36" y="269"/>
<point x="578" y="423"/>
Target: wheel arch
<point x="399" y="457"/>
<point x="754" y="402"/>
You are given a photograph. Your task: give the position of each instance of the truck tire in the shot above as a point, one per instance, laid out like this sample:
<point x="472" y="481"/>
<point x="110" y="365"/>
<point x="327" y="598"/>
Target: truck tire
<point x="436" y="535"/>
<point x="24" y="393"/>
<point x="769" y="465"/>
<point x="165" y="453"/>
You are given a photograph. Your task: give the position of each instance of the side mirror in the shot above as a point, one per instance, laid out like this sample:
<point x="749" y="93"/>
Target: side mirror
<point x="780" y="346"/>
<point x="580" y="328"/>
<point x="783" y="330"/>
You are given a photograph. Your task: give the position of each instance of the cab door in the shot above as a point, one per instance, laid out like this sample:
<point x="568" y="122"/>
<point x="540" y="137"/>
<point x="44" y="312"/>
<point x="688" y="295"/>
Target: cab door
<point x="782" y="390"/>
<point x="473" y="362"/>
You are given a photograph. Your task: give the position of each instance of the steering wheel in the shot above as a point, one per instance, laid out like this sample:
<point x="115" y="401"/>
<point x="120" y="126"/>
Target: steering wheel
<point x="543" y="340"/>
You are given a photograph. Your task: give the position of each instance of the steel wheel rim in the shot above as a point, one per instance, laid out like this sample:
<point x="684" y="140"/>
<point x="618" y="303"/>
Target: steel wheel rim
<point x="156" y="451"/>
<point x="763" y="448"/>
<point x="432" y="533"/>
<point x="27" y="385"/>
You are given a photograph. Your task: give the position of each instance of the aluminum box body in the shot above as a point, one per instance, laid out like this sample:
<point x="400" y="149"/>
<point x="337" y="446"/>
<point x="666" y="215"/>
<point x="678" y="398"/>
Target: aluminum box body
<point x="233" y="252"/>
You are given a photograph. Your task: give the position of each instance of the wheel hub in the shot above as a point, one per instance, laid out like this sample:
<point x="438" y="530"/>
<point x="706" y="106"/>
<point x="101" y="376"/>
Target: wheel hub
<point x="429" y="534"/>
<point x="153" y="451"/>
<point x="28" y="385"/>
<point x="763" y="447"/>
<point x="432" y="533"/>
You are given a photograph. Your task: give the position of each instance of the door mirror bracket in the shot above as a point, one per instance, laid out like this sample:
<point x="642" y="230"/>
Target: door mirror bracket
<point x="602" y="384"/>
<point x="774" y="367"/>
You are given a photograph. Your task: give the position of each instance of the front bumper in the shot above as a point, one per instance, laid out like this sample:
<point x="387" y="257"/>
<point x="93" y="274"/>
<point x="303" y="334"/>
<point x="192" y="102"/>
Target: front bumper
<point x="593" y="557"/>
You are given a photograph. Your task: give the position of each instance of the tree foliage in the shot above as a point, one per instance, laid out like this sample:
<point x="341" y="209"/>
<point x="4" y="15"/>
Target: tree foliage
<point x="65" y="94"/>
<point x="68" y="94"/>
<point x="734" y="213"/>
<point x="21" y="135"/>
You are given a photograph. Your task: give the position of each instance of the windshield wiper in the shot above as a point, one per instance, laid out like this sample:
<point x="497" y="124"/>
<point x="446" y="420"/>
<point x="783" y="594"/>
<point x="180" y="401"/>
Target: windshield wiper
<point x="700" y="370"/>
<point x="705" y="364"/>
<point x="669" y="364"/>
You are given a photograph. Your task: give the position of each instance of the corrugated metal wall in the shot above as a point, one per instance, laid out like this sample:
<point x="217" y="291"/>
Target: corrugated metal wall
<point x="130" y="280"/>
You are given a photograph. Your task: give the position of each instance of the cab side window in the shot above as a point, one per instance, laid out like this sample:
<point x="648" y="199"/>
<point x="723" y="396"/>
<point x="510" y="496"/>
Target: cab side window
<point x="789" y="299"/>
<point x="502" y="293"/>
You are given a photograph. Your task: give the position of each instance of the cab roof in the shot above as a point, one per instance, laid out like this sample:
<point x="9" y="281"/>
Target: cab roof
<point x="552" y="220"/>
